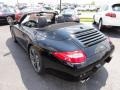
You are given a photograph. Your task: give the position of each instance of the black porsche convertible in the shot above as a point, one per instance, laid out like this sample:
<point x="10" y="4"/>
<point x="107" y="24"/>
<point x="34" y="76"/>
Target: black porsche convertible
<point x="68" y="47"/>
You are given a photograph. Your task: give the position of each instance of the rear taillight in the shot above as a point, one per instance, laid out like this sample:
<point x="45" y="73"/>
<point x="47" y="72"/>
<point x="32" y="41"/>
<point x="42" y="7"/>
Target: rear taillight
<point x="73" y="57"/>
<point x="18" y="16"/>
<point x="110" y="14"/>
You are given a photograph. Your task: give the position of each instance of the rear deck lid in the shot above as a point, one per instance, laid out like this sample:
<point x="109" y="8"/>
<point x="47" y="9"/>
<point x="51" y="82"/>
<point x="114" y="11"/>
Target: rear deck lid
<point x="91" y="39"/>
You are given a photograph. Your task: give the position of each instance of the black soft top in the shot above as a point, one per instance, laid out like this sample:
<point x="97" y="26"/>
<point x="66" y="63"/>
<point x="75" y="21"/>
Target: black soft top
<point x="60" y="25"/>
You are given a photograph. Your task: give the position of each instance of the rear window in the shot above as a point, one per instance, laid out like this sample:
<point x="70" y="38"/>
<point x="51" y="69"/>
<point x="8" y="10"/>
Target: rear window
<point x="116" y="7"/>
<point x="69" y="12"/>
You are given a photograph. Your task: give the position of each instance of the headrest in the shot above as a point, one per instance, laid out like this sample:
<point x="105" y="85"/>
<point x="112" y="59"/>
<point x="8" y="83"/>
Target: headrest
<point x="42" y="22"/>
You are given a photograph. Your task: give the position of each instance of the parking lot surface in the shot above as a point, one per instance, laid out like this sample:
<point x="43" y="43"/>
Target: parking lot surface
<point x="16" y="72"/>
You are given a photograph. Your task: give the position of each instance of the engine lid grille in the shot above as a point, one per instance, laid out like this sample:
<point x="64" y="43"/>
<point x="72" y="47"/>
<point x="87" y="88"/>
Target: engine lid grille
<point x="89" y="37"/>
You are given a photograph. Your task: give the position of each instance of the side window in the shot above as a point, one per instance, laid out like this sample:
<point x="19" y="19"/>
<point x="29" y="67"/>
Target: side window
<point x="106" y="8"/>
<point x="29" y="21"/>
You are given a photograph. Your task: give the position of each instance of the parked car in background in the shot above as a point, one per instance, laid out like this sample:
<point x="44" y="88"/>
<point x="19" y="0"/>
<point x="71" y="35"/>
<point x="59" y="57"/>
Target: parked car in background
<point x="68" y="47"/>
<point x="19" y="13"/>
<point x="47" y="8"/>
<point x="12" y="9"/>
<point x="107" y="16"/>
<point x="68" y="15"/>
<point x="6" y="13"/>
<point x="78" y="8"/>
<point x="92" y="8"/>
<point x="21" y="5"/>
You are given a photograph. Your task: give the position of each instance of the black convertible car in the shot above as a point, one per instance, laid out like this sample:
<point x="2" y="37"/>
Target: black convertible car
<point x="68" y="47"/>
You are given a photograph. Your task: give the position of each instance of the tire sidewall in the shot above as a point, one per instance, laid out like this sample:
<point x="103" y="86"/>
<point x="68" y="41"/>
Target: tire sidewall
<point x="42" y="69"/>
<point x="100" y="26"/>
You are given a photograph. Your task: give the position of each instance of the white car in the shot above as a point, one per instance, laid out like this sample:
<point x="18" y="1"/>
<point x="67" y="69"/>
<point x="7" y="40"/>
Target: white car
<point x="108" y="15"/>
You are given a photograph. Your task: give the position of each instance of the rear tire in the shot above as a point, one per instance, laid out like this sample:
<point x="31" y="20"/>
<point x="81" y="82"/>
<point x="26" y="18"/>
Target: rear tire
<point x="36" y="60"/>
<point x="100" y="25"/>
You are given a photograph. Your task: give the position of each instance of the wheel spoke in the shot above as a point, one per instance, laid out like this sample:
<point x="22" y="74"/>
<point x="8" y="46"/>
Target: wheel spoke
<point x="32" y="57"/>
<point x="38" y="63"/>
<point x="35" y="60"/>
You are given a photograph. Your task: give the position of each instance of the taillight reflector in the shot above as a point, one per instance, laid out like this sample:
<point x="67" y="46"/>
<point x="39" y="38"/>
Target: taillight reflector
<point x="111" y="14"/>
<point x="75" y="57"/>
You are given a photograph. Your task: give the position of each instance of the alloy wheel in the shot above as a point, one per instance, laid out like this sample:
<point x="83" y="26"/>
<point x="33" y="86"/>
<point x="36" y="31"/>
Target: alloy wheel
<point x="35" y="60"/>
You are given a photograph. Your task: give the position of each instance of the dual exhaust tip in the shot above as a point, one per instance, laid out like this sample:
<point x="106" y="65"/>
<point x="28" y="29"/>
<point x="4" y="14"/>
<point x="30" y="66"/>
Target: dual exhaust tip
<point x="95" y="69"/>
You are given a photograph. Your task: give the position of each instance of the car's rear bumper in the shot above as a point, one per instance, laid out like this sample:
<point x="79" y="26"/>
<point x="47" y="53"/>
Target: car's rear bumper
<point x="108" y="21"/>
<point x="84" y="72"/>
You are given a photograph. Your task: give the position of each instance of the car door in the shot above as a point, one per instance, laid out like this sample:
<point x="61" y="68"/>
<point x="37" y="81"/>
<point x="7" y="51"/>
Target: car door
<point x="15" y="31"/>
<point x="27" y="28"/>
<point x="24" y="37"/>
<point x="21" y="32"/>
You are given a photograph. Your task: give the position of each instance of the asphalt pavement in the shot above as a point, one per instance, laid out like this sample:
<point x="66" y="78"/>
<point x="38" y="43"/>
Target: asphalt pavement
<point x="16" y="72"/>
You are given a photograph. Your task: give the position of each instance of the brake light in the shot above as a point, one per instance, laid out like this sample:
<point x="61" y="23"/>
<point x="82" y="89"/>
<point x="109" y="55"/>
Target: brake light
<point x="18" y="16"/>
<point x="74" y="57"/>
<point x="110" y="14"/>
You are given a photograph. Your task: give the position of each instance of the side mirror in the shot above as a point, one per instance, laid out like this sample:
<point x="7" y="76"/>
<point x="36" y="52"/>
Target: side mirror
<point x="11" y="21"/>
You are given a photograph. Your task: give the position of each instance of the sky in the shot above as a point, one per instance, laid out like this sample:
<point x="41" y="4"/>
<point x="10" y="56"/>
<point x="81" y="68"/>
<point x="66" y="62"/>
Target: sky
<point x="98" y="2"/>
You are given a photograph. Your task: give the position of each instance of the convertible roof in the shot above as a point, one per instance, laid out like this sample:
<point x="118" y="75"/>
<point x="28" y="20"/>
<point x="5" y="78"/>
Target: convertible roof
<point x="37" y="12"/>
<point x="61" y="25"/>
<point x="31" y="12"/>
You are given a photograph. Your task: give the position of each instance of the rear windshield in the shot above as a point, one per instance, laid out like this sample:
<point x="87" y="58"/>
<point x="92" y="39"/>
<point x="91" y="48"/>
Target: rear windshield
<point x="116" y="7"/>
